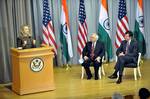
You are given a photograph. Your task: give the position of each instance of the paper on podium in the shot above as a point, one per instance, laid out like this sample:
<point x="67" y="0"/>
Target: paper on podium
<point x="81" y="60"/>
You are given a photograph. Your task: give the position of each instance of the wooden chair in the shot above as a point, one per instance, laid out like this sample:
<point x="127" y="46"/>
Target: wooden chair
<point x="135" y="66"/>
<point x="101" y="70"/>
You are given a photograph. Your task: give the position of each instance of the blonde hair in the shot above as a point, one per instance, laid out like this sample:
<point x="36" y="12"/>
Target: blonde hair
<point x="22" y="30"/>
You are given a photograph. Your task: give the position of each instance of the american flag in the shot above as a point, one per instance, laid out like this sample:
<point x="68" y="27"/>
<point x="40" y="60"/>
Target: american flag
<point x="122" y="24"/>
<point x="48" y="30"/>
<point x="82" y="29"/>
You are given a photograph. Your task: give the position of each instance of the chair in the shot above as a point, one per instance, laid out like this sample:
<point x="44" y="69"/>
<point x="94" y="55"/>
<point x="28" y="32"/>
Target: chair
<point x="101" y="70"/>
<point x="135" y="66"/>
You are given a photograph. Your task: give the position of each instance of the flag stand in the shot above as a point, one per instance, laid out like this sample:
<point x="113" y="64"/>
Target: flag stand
<point x="68" y="67"/>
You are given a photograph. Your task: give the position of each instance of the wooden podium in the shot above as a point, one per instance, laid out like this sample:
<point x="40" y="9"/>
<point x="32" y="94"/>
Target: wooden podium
<point x="32" y="70"/>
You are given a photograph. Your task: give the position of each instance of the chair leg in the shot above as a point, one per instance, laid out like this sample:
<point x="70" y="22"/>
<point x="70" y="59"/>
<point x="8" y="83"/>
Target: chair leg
<point x="124" y="72"/>
<point x="82" y="74"/>
<point x="103" y="70"/>
<point x="139" y="71"/>
<point x="99" y="72"/>
<point x="135" y="77"/>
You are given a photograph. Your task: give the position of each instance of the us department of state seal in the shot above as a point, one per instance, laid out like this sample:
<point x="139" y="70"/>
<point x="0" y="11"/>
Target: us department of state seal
<point x="36" y="64"/>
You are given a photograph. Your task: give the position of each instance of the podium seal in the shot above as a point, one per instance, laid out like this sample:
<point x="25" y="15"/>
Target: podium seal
<point x="36" y="64"/>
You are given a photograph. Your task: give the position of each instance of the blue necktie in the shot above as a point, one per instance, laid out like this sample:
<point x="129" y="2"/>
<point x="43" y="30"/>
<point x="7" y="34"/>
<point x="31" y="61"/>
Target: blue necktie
<point x="127" y="47"/>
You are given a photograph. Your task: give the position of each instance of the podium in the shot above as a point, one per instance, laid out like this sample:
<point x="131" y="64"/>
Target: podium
<point x="32" y="70"/>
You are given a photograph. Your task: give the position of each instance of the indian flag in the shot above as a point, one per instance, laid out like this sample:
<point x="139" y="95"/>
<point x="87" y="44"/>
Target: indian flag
<point x="139" y="27"/>
<point x="104" y="29"/>
<point x="65" y="36"/>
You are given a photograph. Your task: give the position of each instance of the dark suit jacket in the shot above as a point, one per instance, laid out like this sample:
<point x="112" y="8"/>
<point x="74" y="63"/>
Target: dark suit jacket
<point x="98" y="51"/>
<point x="132" y="50"/>
<point x="20" y="42"/>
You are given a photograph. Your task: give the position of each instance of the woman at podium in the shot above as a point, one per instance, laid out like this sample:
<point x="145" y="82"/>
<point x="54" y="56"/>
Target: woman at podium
<point x="25" y="40"/>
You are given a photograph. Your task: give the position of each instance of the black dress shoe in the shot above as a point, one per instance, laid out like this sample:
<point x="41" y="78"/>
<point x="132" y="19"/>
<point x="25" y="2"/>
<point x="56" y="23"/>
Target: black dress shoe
<point x="96" y="78"/>
<point x="112" y="76"/>
<point x="119" y="81"/>
<point x="89" y="77"/>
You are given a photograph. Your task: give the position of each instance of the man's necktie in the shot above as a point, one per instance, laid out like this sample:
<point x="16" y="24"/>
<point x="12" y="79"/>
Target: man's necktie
<point x="92" y="51"/>
<point x="127" y="48"/>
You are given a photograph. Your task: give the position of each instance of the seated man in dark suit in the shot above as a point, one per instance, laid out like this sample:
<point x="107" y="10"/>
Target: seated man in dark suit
<point x="126" y="53"/>
<point x="93" y="53"/>
<point x="25" y="40"/>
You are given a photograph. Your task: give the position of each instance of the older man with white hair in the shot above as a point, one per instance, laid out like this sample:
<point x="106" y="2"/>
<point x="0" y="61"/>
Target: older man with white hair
<point x="93" y="53"/>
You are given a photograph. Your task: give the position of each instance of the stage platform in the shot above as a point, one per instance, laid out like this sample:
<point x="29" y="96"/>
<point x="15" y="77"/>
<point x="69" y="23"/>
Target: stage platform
<point x="69" y="85"/>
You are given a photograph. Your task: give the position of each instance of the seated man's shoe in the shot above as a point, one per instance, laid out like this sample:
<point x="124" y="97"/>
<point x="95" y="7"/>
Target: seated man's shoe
<point x="89" y="77"/>
<point x="119" y="81"/>
<point x="96" y="78"/>
<point x="112" y="76"/>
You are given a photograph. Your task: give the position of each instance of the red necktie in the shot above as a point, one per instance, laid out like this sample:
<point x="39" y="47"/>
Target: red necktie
<point x="92" y="51"/>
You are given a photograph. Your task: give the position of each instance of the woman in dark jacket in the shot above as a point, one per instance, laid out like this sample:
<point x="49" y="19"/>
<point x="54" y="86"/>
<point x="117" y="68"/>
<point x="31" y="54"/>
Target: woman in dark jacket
<point x="25" y="39"/>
